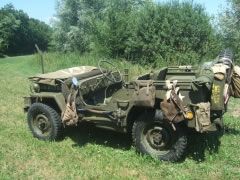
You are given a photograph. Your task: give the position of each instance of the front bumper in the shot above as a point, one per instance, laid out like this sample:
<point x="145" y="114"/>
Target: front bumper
<point x="27" y="103"/>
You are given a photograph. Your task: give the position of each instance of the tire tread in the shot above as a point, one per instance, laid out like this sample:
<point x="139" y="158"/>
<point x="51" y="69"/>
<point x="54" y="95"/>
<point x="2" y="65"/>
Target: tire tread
<point x="175" y="154"/>
<point x="55" y="118"/>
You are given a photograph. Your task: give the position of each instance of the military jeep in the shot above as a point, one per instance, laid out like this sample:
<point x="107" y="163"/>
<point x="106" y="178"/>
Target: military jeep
<point x="157" y="108"/>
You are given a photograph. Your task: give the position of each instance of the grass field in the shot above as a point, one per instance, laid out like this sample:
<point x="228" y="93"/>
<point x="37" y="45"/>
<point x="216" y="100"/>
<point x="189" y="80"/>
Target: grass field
<point x="90" y="153"/>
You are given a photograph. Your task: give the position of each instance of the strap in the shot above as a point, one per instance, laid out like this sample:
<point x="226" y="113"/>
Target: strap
<point x="174" y="97"/>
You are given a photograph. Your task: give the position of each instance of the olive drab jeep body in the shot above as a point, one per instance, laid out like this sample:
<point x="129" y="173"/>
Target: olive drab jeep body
<point x="156" y="108"/>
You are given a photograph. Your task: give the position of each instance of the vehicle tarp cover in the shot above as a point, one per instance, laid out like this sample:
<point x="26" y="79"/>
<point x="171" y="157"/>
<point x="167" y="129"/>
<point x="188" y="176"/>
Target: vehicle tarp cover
<point x="50" y="78"/>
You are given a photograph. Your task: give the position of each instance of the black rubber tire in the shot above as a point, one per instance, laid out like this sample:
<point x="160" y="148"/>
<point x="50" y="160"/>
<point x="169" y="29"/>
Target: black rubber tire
<point x="176" y="147"/>
<point x="53" y="119"/>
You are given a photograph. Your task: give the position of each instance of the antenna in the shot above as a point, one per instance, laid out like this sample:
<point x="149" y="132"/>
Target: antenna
<point x="41" y="56"/>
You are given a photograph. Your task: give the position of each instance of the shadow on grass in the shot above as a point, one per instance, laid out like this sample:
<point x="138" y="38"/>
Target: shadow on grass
<point x="231" y="131"/>
<point x="198" y="143"/>
<point x="88" y="133"/>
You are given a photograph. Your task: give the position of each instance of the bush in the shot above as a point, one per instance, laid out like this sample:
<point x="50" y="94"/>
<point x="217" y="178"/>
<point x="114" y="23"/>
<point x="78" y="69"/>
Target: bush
<point x="230" y="27"/>
<point x="137" y="30"/>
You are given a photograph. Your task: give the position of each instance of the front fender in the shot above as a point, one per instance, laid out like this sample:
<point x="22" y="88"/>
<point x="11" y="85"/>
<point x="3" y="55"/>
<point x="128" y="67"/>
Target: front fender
<point x="57" y="98"/>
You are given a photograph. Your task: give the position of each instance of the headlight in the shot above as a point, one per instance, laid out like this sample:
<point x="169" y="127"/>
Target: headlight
<point x="35" y="87"/>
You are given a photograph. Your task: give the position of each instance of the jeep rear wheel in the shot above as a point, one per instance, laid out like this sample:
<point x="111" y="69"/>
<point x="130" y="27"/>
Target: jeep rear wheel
<point x="158" y="139"/>
<point x="44" y="122"/>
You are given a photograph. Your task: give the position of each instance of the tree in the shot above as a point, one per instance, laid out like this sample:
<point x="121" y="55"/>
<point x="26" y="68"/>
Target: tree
<point x="71" y="29"/>
<point x="179" y="33"/>
<point x="8" y="24"/>
<point x="137" y="30"/>
<point x="230" y="27"/>
<point x="85" y="25"/>
<point x="19" y="33"/>
<point x="117" y="27"/>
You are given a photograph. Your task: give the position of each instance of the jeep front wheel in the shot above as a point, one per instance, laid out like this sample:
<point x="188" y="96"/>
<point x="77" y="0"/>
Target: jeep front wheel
<point x="44" y="122"/>
<point x="158" y="139"/>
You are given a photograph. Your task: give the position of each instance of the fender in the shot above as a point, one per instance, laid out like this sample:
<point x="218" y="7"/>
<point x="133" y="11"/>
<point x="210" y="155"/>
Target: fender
<point x="58" y="98"/>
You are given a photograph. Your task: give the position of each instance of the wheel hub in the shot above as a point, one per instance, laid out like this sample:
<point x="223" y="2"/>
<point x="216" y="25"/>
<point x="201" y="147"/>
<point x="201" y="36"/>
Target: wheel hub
<point x="42" y="123"/>
<point x="157" y="137"/>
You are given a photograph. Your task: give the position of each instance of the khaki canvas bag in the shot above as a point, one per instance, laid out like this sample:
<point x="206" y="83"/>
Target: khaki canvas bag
<point x="235" y="84"/>
<point x="202" y="117"/>
<point x="145" y="93"/>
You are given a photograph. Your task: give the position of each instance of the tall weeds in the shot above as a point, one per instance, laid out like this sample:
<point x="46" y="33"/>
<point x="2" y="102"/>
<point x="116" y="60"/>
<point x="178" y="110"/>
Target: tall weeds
<point x="56" y="61"/>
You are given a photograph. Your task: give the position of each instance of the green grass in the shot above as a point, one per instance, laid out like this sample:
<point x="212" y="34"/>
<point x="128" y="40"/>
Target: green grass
<point x="90" y="153"/>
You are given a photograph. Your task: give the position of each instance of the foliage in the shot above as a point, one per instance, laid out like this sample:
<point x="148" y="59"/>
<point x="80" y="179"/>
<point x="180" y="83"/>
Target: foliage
<point x="137" y="30"/>
<point x="8" y="24"/>
<point x="230" y="27"/>
<point x="113" y="32"/>
<point x="19" y="33"/>
<point x="72" y="28"/>
<point x="174" y="32"/>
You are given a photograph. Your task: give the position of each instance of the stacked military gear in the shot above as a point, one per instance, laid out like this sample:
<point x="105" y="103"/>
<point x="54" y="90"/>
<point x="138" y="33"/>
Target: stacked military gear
<point x="235" y="84"/>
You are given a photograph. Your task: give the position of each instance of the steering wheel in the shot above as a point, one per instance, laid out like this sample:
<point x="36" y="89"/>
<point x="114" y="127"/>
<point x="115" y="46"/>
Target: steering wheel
<point x="108" y="71"/>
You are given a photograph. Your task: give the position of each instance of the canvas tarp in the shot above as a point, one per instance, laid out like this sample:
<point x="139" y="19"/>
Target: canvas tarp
<point x="50" y="78"/>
